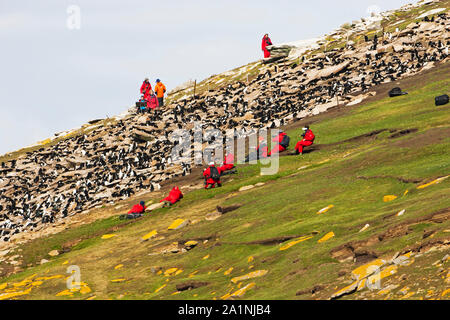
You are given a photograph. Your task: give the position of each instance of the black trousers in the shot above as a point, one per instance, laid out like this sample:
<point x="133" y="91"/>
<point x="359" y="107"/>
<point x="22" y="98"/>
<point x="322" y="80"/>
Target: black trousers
<point x="161" y="102"/>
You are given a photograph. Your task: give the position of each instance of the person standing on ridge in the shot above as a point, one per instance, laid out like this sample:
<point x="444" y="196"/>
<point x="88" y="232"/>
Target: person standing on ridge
<point x="266" y="42"/>
<point x="146" y="87"/>
<point x="160" y="89"/>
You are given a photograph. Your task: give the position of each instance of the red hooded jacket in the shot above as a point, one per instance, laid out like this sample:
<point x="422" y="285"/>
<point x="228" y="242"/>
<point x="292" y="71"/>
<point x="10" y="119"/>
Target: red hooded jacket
<point x="309" y="136"/>
<point x="266" y="42"/>
<point x="152" y="102"/>
<point x="174" y="196"/>
<point x="279" y="137"/>
<point x="137" y="208"/>
<point x="146" y="87"/>
<point x="228" y="163"/>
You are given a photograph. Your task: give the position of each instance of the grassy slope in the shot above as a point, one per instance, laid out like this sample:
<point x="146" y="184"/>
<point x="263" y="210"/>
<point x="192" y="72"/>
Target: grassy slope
<point x="285" y="205"/>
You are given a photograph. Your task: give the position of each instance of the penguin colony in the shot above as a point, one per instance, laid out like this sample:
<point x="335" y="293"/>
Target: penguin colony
<point x="133" y="155"/>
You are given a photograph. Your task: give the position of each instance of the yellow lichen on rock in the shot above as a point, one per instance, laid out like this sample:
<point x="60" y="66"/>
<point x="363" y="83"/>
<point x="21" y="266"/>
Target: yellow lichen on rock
<point x="432" y="182"/>
<point x="228" y="271"/>
<point x="323" y="210"/>
<point x="239" y="293"/>
<point x="326" y="237"/>
<point x="160" y="288"/>
<point x="108" y="236"/>
<point x="66" y="292"/>
<point x="389" y="198"/>
<point x="191" y="243"/>
<point x="254" y="274"/>
<point x="178" y="272"/>
<point x="149" y="235"/>
<point x="170" y="271"/>
<point x="85" y="289"/>
<point x="10" y="295"/>
<point x="177" y="224"/>
<point x="294" y="242"/>
<point x="348" y="289"/>
<point x="367" y="269"/>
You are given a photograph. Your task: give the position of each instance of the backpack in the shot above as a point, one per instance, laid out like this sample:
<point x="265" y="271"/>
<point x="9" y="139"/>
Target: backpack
<point x="214" y="173"/>
<point x="441" y="100"/>
<point x="285" y="141"/>
<point x="396" y="92"/>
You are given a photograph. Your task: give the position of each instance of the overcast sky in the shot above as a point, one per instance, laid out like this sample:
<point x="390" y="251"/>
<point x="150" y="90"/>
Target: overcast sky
<point x="55" y="77"/>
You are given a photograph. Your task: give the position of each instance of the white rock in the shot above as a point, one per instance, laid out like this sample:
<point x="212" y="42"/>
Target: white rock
<point x="244" y="188"/>
<point x="154" y="206"/>
<point x="53" y="253"/>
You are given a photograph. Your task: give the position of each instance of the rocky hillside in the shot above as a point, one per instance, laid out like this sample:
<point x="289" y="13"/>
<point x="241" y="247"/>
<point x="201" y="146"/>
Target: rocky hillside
<point x="114" y="159"/>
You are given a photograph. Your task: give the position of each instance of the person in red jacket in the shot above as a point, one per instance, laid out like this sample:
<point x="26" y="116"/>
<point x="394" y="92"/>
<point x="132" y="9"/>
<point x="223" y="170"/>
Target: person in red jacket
<point x="174" y="196"/>
<point x="138" y="208"/>
<point x="308" y="139"/>
<point x="146" y="87"/>
<point x="282" y="143"/>
<point x="212" y="176"/>
<point x="228" y="164"/>
<point x="266" y="42"/>
<point x="135" y="212"/>
<point x="152" y="101"/>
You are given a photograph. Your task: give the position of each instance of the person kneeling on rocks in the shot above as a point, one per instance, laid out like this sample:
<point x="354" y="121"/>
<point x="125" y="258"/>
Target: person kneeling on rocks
<point x="308" y="139"/>
<point x="212" y="176"/>
<point x="135" y="212"/>
<point x="174" y="196"/>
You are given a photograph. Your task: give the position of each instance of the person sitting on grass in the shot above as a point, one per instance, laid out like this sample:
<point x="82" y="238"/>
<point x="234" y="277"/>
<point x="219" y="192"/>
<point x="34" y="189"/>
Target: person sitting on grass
<point x="174" y="196"/>
<point x="308" y="139"/>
